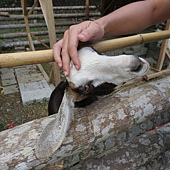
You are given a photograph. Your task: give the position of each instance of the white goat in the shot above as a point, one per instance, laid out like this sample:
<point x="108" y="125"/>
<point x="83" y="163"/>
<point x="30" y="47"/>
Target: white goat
<point x="99" y="75"/>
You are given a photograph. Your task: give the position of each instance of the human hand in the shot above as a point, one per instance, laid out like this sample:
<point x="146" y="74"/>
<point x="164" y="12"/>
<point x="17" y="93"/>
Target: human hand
<point x="66" y="49"/>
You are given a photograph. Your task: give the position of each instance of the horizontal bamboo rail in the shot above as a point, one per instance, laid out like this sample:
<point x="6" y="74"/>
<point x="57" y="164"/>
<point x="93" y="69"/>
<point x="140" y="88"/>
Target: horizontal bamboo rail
<point x="26" y="58"/>
<point x="21" y="44"/>
<point x="24" y="34"/>
<point x="157" y="74"/>
<point x="131" y="40"/>
<point x="56" y="16"/>
<point x="35" y="25"/>
<point x="54" y="8"/>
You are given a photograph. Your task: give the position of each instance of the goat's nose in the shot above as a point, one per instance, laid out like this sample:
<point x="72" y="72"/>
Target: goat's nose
<point x="136" y="64"/>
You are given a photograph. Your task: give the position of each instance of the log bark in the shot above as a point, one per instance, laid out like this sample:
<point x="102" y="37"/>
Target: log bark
<point x="104" y="126"/>
<point x="149" y="146"/>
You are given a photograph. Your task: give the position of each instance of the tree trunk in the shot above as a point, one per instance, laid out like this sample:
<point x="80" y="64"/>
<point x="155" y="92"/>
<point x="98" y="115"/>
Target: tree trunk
<point x="141" y="152"/>
<point x="104" y="126"/>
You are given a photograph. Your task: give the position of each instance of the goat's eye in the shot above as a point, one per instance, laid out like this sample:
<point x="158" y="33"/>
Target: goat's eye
<point x="136" y="68"/>
<point x="86" y="89"/>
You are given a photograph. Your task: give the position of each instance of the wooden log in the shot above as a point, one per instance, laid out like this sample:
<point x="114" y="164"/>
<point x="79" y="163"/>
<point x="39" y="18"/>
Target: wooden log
<point x="104" y="126"/>
<point x="148" y="150"/>
<point x="7" y="60"/>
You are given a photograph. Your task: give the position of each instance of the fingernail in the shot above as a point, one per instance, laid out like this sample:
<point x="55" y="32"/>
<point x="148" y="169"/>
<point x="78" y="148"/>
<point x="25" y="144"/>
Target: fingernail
<point x="77" y="67"/>
<point x="65" y="73"/>
<point x="59" y="64"/>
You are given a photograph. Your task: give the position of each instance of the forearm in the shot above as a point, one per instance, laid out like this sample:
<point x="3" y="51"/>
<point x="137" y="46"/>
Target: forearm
<point x="135" y="17"/>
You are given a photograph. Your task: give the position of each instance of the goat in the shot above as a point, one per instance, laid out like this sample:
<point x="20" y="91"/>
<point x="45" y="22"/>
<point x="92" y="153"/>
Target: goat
<point x="99" y="75"/>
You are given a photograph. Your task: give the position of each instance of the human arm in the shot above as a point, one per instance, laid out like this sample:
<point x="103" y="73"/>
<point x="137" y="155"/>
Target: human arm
<point x="135" y="17"/>
<point x="128" y="19"/>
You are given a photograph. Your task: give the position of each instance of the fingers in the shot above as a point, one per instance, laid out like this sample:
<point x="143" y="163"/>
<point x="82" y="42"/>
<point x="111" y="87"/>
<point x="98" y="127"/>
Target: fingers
<point x="57" y="51"/>
<point x="66" y="49"/>
<point x="70" y="44"/>
<point x="73" y="44"/>
<point x="65" y="54"/>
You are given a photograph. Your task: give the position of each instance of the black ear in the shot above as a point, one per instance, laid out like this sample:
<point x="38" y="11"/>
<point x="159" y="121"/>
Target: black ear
<point x="56" y="98"/>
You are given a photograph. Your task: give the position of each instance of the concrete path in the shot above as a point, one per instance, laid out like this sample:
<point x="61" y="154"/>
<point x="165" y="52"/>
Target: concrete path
<point x="27" y="80"/>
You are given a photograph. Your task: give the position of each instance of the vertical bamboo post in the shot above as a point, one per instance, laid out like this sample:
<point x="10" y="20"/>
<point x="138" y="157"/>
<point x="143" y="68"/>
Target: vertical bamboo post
<point x="163" y="50"/>
<point x="47" y="9"/>
<point x="87" y="9"/>
<point x="24" y="10"/>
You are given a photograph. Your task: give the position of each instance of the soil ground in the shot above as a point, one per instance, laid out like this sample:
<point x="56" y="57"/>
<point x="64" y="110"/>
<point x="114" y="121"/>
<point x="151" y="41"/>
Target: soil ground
<point x="12" y="109"/>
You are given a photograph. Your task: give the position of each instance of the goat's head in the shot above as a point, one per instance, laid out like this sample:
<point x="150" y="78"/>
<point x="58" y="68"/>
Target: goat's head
<point x="99" y="75"/>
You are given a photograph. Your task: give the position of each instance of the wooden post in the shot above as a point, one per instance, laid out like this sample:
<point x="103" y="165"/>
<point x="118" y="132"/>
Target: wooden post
<point x="87" y="10"/>
<point x="24" y="9"/>
<point x="102" y="127"/>
<point x="163" y="51"/>
<point x="47" y="8"/>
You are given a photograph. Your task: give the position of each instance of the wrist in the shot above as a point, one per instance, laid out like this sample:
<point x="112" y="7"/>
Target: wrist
<point x="101" y="25"/>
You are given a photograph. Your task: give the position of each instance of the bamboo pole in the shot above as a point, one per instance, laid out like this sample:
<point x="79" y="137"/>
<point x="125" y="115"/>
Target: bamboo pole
<point x="56" y="16"/>
<point x="25" y="58"/>
<point x="131" y="40"/>
<point x="54" y="8"/>
<point x="160" y="73"/>
<point x="14" y="26"/>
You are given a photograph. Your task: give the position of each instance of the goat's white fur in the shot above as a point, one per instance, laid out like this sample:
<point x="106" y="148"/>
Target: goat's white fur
<point x="102" y="68"/>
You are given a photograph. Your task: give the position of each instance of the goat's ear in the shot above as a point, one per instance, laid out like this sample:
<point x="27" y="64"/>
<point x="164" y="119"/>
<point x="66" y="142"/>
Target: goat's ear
<point x="56" y="98"/>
